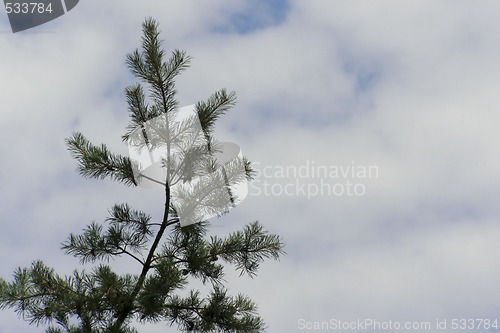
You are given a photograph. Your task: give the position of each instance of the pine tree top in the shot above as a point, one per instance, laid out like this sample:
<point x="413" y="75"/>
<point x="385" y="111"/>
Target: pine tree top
<point x="167" y="253"/>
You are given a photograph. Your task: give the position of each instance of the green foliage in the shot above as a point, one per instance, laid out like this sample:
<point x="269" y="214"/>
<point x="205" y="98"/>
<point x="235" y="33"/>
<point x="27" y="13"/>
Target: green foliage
<point x="99" y="162"/>
<point x="216" y="106"/>
<point x="167" y="254"/>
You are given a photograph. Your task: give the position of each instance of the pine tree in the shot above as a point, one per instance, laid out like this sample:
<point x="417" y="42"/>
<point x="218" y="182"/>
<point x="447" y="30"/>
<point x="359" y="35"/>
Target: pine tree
<point x="168" y="254"/>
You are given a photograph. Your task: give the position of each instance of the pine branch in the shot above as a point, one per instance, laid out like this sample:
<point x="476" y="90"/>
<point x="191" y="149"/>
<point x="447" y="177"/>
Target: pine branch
<point x="216" y="313"/>
<point x="149" y="66"/>
<point x="247" y="249"/>
<point x="122" y="316"/>
<point x="94" y="244"/>
<point x="135" y="220"/>
<point x="213" y="108"/>
<point x="139" y="110"/>
<point x="99" y="162"/>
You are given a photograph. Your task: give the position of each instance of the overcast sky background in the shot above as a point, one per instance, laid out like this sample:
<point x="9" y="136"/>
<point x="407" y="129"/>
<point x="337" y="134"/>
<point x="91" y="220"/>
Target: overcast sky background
<point x="410" y="87"/>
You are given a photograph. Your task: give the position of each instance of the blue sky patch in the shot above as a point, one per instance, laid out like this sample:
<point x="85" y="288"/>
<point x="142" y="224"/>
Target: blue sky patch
<point x="256" y="16"/>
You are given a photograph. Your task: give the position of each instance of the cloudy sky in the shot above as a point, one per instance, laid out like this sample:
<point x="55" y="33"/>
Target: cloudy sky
<point x="327" y="90"/>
